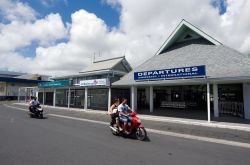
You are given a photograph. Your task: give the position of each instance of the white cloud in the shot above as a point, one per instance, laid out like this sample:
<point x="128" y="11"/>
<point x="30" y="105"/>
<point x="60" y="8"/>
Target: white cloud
<point x="51" y="3"/>
<point x="144" y="26"/>
<point x="18" y="34"/>
<point x="16" y="11"/>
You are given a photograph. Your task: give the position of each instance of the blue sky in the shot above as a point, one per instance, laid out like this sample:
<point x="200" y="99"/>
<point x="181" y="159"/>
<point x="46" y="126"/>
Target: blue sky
<point x="221" y="5"/>
<point x="66" y="7"/>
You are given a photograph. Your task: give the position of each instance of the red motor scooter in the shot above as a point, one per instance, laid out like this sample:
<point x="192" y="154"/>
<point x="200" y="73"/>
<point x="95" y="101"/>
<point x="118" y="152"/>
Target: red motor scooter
<point x="134" y="127"/>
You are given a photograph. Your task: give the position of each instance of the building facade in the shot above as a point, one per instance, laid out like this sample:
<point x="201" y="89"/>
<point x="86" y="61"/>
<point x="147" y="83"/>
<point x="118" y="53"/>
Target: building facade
<point x="89" y="89"/>
<point x="192" y="72"/>
<point x="12" y="82"/>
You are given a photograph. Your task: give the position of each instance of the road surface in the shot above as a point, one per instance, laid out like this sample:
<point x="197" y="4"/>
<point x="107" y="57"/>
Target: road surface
<point x="55" y="140"/>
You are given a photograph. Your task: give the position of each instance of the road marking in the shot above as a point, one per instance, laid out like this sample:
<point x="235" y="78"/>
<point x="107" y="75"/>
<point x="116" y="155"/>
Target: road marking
<point x="79" y="119"/>
<point x="167" y="133"/>
<point x="201" y="138"/>
<point x="22" y="109"/>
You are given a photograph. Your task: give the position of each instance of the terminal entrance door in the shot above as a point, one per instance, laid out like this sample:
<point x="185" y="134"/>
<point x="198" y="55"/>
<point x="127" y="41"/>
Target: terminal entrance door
<point x="231" y="100"/>
<point x="98" y="99"/>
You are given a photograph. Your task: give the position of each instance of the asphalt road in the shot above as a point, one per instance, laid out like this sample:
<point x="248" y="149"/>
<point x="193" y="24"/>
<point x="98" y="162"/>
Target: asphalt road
<point x="26" y="141"/>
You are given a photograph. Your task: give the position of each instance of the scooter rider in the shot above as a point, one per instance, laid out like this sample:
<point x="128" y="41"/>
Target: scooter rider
<point x="124" y="111"/>
<point x="113" y="112"/>
<point x="33" y="104"/>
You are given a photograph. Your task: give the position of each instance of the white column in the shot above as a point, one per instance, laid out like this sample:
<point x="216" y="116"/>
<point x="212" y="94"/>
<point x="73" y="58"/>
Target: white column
<point x="246" y="99"/>
<point x="109" y="97"/>
<point x="151" y="99"/>
<point x="37" y="93"/>
<point x="134" y="98"/>
<point x="216" y="99"/>
<point x="54" y="98"/>
<point x="18" y="94"/>
<point x="43" y="96"/>
<point x="86" y="99"/>
<point x="208" y="102"/>
<point x="25" y="94"/>
<point x="69" y="93"/>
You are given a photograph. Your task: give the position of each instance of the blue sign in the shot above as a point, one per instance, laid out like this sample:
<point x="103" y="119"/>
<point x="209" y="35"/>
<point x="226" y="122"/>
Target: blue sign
<point x="174" y="73"/>
<point x="62" y="83"/>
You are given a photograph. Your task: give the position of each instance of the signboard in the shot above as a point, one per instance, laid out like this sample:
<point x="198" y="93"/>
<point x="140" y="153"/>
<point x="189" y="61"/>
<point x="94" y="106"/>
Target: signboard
<point x="173" y="73"/>
<point x="94" y="82"/>
<point x="62" y="83"/>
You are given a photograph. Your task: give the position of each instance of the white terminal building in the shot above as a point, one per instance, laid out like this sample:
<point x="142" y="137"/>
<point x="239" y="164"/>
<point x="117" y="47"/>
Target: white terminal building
<point x="192" y="74"/>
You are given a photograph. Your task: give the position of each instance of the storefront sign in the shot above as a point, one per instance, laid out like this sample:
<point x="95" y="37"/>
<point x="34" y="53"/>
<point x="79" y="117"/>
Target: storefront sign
<point x="95" y="82"/>
<point x="62" y="83"/>
<point x="174" y="73"/>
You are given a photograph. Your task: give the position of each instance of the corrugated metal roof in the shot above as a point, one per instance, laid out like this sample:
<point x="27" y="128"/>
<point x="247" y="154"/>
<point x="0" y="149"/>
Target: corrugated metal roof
<point x="220" y="61"/>
<point x="103" y="65"/>
<point x="17" y="80"/>
<point x="10" y="73"/>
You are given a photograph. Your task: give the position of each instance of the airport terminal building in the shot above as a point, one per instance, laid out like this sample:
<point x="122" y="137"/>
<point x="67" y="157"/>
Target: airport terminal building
<point x="192" y="72"/>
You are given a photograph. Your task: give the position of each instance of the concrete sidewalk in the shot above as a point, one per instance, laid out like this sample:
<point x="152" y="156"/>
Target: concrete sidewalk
<point x="212" y="124"/>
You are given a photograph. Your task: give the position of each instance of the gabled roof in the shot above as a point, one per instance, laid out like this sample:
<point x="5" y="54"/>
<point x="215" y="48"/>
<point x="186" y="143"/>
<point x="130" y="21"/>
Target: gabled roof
<point x="108" y="64"/>
<point x="222" y="63"/>
<point x="179" y="32"/>
<point x="102" y="67"/>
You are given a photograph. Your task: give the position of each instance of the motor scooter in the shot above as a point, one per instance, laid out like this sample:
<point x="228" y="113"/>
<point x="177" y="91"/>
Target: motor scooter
<point x="134" y="128"/>
<point x="38" y="113"/>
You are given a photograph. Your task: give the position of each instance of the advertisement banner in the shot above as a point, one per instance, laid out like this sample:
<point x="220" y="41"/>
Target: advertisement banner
<point x="62" y="83"/>
<point x="94" y="82"/>
<point x="173" y="73"/>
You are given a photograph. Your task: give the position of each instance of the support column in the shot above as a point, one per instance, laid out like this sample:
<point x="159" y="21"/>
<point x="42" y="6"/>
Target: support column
<point x="69" y="92"/>
<point x="18" y="94"/>
<point x="151" y="99"/>
<point x="43" y="96"/>
<point x="246" y="100"/>
<point x="208" y="102"/>
<point x="216" y="99"/>
<point x="109" y="97"/>
<point x="25" y="94"/>
<point x="86" y="99"/>
<point x="134" y="98"/>
<point x="54" y="98"/>
<point x="37" y="91"/>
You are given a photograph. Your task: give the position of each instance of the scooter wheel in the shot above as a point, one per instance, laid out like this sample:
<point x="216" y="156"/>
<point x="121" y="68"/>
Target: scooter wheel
<point x="141" y="134"/>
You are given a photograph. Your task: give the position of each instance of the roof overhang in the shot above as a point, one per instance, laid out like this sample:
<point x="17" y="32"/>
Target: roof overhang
<point x="194" y="81"/>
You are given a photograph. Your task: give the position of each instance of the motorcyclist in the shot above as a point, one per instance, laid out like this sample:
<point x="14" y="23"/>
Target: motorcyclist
<point x="34" y="103"/>
<point x="113" y="112"/>
<point x="124" y="111"/>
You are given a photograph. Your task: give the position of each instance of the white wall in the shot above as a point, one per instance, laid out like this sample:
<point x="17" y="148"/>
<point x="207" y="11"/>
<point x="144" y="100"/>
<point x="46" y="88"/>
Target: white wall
<point x="246" y="98"/>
